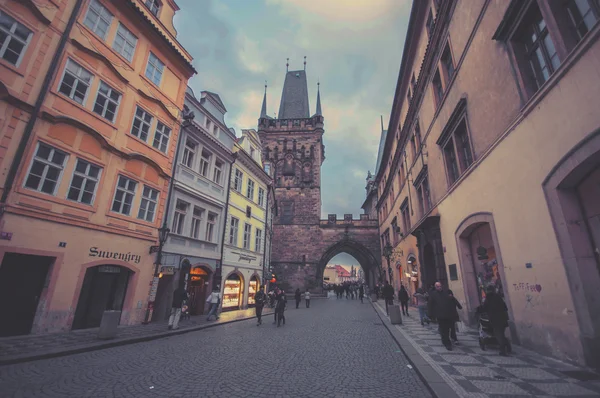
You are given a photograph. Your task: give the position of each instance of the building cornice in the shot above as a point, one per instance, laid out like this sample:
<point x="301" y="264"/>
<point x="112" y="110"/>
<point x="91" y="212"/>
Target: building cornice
<point x="245" y="159"/>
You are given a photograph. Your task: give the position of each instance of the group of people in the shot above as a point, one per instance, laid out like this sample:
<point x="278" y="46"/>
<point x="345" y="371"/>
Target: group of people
<point x="350" y="289"/>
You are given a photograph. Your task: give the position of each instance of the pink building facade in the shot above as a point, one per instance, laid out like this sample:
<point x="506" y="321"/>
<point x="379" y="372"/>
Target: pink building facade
<point x="491" y="166"/>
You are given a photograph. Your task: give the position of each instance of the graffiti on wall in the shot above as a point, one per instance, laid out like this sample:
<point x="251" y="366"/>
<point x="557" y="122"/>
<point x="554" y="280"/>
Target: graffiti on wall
<point x="527" y="287"/>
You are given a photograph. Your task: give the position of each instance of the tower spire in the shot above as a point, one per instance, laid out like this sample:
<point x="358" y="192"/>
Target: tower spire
<point x="305" y="62"/>
<point x="263" y="111"/>
<point x="381" y="122"/>
<point x="319" y="113"/>
<point x="287" y="65"/>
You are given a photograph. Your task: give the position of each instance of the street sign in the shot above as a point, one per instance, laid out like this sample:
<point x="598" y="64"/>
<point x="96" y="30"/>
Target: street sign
<point x="153" y="249"/>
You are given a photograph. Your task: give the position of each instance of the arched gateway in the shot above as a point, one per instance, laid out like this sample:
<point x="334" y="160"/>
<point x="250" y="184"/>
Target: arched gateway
<point x="293" y="153"/>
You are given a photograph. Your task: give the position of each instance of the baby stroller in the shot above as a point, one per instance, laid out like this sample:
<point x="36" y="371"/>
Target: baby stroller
<point x="486" y="333"/>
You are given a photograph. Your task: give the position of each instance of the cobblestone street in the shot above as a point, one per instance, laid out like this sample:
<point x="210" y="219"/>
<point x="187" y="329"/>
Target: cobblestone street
<point x="336" y="348"/>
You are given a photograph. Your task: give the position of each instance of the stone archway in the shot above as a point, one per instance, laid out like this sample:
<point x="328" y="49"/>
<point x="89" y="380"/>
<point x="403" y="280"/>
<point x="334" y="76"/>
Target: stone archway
<point x="360" y="252"/>
<point x="572" y="194"/>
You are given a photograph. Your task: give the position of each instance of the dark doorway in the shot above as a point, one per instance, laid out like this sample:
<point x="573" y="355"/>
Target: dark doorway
<point x="429" y="276"/>
<point x="22" y="278"/>
<point x="164" y="295"/>
<point x="103" y="289"/>
<point x="197" y="290"/>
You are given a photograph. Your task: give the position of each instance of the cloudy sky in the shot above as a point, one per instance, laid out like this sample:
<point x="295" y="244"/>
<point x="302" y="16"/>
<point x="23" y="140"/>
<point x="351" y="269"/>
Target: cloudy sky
<point x="353" y="47"/>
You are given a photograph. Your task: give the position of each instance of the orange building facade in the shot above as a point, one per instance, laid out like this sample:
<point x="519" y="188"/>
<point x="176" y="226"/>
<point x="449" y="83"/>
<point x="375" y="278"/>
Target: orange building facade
<point x="91" y="173"/>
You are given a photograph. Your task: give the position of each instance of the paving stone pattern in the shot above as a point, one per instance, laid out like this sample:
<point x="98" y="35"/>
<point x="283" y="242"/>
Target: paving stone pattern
<point x="472" y="372"/>
<point x="31" y="346"/>
<point x="336" y="348"/>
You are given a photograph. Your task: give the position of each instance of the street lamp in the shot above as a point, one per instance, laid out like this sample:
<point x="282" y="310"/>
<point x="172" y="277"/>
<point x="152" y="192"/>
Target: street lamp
<point x="163" y="234"/>
<point x="387" y="253"/>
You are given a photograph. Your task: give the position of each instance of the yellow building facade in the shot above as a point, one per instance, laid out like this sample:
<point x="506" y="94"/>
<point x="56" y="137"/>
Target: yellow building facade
<point x="244" y="240"/>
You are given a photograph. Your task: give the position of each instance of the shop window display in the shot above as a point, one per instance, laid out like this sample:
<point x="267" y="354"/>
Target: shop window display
<point x="252" y="289"/>
<point x="232" y="293"/>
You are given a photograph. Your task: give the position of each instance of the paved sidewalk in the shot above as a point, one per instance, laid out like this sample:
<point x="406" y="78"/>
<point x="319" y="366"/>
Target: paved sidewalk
<point x="471" y="372"/>
<point x="33" y="347"/>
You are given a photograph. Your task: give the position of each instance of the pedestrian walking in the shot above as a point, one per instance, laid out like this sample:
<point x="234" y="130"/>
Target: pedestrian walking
<point x="215" y="300"/>
<point x="442" y="306"/>
<point x="361" y="293"/>
<point x="179" y="296"/>
<point x="422" y="305"/>
<point x="298" y="297"/>
<point x="455" y="317"/>
<point x="260" y="298"/>
<point x="388" y="296"/>
<point x="307" y="299"/>
<point x="280" y="308"/>
<point x="497" y="312"/>
<point x="403" y="298"/>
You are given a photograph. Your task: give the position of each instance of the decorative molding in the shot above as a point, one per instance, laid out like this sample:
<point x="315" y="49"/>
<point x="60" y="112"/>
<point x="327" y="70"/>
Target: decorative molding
<point x="7" y="96"/>
<point x="453" y="120"/>
<point x="103" y="141"/>
<point x="158" y="102"/>
<point x="511" y="17"/>
<point x="100" y="57"/>
<point x="421" y="176"/>
<point x="35" y="10"/>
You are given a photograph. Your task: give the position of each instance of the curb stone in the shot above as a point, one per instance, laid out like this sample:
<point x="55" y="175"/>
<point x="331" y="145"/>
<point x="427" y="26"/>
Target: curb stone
<point x="100" y="345"/>
<point x="432" y="380"/>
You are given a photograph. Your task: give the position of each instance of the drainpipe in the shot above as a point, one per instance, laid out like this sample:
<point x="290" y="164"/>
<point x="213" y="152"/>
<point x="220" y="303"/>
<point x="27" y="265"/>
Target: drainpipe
<point x="14" y="167"/>
<point x="224" y="226"/>
<point x="267" y="214"/>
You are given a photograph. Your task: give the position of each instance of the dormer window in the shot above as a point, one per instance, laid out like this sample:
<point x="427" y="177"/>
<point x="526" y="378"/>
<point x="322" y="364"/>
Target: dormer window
<point x="252" y="152"/>
<point x="153" y="6"/>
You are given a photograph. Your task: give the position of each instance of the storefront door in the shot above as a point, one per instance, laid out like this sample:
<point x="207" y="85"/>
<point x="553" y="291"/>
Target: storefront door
<point x="232" y="293"/>
<point x="22" y="279"/>
<point x="103" y="289"/>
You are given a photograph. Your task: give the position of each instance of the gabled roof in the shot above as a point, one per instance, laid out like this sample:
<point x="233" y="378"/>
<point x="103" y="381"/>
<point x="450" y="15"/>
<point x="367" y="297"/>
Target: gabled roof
<point x="217" y="99"/>
<point x="294" y="97"/>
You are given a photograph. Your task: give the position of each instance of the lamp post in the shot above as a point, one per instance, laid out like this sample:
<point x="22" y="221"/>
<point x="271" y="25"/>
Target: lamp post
<point x="163" y="234"/>
<point x="387" y="253"/>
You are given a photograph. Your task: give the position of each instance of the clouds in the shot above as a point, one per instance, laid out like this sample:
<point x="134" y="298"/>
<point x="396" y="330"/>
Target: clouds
<point x="353" y="46"/>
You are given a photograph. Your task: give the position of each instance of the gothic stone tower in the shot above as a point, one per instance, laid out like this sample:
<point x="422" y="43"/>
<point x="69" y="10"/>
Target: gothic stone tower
<point x="293" y="149"/>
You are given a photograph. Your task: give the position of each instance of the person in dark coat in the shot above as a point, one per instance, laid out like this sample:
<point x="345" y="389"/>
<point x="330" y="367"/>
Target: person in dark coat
<point x="179" y="296"/>
<point x="388" y="295"/>
<point x="497" y="312"/>
<point x="442" y="306"/>
<point x="455" y="317"/>
<point x="361" y="293"/>
<point x="403" y="298"/>
<point x="280" y="308"/>
<point x="298" y="297"/>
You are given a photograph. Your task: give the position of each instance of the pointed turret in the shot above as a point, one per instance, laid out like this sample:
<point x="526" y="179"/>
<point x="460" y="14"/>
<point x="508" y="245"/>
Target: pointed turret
<point x="263" y="111"/>
<point x="319" y="113"/>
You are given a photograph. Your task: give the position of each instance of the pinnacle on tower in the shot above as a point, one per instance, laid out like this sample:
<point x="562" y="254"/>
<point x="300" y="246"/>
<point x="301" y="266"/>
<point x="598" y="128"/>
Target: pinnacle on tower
<point x="263" y="111"/>
<point x="319" y="113"/>
<point x="294" y="97"/>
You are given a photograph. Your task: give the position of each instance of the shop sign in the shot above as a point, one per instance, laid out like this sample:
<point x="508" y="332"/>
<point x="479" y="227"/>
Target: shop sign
<point x="128" y="257"/>
<point x="167" y="270"/>
<point x="244" y="257"/>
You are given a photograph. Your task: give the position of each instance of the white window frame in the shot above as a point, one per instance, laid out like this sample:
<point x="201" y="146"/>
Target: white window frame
<point x="211" y="221"/>
<point x="128" y="39"/>
<point x="238" y="180"/>
<point x="250" y="189"/>
<point x="195" y="228"/>
<point x="108" y="100"/>
<point x="162" y="134"/>
<point x="247" y="235"/>
<point x="157" y="67"/>
<point x="106" y="18"/>
<point x="77" y="77"/>
<point x="148" y="199"/>
<point x="47" y="164"/>
<point x="86" y="177"/>
<point x="142" y="123"/>
<point x="204" y="169"/>
<point x="218" y="171"/>
<point x="11" y="35"/>
<point x="189" y="153"/>
<point x="179" y="217"/>
<point x="234" y="231"/>
<point x="126" y="191"/>
<point x="258" y="240"/>
<point x="154" y="6"/>
<point x="261" y="197"/>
